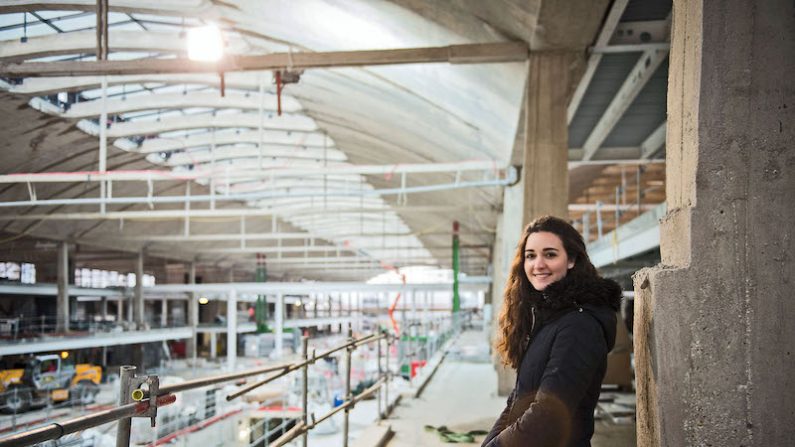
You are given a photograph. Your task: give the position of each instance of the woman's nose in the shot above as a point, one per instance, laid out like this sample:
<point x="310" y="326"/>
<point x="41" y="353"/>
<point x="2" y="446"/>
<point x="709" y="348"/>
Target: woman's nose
<point x="540" y="263"/>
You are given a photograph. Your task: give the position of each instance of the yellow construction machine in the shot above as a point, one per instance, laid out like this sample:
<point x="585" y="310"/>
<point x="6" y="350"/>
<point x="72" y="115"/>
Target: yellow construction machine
<point x="47" y="378"/>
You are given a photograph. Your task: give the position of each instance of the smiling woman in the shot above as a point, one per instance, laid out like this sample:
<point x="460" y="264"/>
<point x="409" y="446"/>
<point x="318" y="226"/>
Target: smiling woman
<point x="557" y="325"/>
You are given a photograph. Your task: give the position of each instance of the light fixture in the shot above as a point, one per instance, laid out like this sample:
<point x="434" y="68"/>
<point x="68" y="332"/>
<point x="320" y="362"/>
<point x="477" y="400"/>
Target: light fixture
<point x="64" y="355"/>
<point x="203" y="300"/>
<point x="205" y="43"/>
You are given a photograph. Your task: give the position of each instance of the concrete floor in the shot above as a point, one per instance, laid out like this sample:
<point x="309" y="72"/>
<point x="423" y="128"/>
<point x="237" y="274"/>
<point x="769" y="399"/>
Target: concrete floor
<point x="462" y="396"/>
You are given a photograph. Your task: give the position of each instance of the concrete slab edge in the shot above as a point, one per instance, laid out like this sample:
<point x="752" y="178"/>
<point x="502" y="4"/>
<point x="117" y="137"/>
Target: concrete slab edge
<point x="376" y="435"/>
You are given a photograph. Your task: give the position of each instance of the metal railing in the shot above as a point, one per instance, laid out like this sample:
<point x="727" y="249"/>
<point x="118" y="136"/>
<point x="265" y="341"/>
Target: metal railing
<point x="135" y="400"/>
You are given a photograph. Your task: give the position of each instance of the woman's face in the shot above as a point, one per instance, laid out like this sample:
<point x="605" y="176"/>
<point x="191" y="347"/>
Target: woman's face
<point x="545" y="260"/>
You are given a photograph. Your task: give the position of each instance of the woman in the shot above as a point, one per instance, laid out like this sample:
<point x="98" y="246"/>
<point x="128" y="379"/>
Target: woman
<point x="557" y="325"/>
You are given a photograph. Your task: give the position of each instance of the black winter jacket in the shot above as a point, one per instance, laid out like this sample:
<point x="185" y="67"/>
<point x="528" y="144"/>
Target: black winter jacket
<point x="559" y="378"/>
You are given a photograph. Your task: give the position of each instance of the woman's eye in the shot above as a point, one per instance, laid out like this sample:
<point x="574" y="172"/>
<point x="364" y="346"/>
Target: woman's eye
<point x="529" y="256"/>
<point x="551" y="255"/>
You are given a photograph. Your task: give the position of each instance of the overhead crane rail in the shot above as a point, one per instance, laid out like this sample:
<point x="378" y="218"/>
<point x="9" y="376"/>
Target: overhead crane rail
<point x="144" y="406"/>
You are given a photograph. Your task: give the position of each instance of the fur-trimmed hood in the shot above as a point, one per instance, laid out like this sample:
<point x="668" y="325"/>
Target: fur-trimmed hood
<point x="599" y="297"/>
<point x="571" y="292"/>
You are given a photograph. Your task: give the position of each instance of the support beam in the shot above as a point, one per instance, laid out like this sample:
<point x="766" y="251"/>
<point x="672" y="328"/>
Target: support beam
<point x="193" y="313"/>
<point x="231" y="330"/>
<point x="301" y="127"/>
<point x="279" y="330"/>
<point x="160" y="101"/>
<point x="62" y="304"/>
<point x="654" y="142"/>
<point x="545" y="172"/>
<point x="164" y="312"/>
<point x="644" y="69"/>
<point x="613" y="17"/>
<point x="485" y="166"/>
<point x="455" y="54"/>
<point x="96" y="340"/>
<point x="138" y="304"/>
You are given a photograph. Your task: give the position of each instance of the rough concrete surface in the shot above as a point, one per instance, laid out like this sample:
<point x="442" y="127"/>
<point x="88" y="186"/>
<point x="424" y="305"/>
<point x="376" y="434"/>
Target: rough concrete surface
<point x="713" y="325"/>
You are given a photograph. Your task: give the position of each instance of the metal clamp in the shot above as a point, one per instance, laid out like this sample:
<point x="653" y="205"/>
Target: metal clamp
<point x="137" y="394"/>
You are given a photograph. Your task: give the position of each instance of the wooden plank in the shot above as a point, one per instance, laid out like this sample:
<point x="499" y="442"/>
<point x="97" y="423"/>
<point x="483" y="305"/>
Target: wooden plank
<point x="456" y="54"/>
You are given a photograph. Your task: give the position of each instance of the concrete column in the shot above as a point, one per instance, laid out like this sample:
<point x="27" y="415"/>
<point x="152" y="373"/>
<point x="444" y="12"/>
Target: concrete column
<point x="138" y="302"/>
<point x="130" y="305"/>
<point x="193" y="313"/>
<point x="279" y="324"/>
<point x="546" y="151"/>
<point x="120" y="309"/>
<point x="328" y="301"/>
<point x="104" y="309"/>
<point x="62" y="304"/>
<point x="359" y="312"/>
<point x="164" y="313"/>
<point x="213" y="345"/>
<point x="231" y="330"/>
<point x="713" y="330"/>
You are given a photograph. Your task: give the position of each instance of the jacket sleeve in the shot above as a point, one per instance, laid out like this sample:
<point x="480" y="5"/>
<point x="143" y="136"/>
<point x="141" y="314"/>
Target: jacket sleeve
<point x="501" y="422"/>
<point x="577" y="351"/>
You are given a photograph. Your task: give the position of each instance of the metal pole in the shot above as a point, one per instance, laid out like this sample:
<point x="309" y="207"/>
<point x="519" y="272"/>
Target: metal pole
<point x="380" y="372"/>
<point x="388" y="375"/>
<point x="305" y="395"/>
<point x="126" y="374"/>
<point x="278" y="347"/>
<point x="348" y="395"/>
<point x="231" y="330"/>
<point x="14" y="414"/>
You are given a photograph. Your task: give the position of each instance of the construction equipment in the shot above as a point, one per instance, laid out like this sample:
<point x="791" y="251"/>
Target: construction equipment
<point x="46" y="379"/>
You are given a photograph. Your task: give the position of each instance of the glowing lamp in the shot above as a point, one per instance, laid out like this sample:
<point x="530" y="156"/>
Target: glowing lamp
<point x="205" y="44"/>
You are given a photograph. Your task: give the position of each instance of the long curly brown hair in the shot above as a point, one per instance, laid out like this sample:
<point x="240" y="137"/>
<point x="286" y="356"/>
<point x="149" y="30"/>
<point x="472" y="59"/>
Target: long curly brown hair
<point x="514" y="321"/>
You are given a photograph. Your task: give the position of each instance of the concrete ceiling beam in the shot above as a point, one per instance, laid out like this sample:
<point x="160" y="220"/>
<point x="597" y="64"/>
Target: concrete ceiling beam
<point x="609" y="26"/>
<point x="286" y="129"/>
<point x="209" y="213"/>
<point x="643" y="71"/>
<point x="454" y="54"/>
<point x="654" y="142"/>
<point x="136" y="102"/>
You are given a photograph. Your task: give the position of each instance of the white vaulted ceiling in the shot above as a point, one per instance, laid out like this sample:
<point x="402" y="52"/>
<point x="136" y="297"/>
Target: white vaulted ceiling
<point x="334" y="174"/>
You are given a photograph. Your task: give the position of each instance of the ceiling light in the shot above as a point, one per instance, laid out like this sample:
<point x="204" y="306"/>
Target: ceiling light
<point x="205" y="43"/>
<point x="203" y="300"/>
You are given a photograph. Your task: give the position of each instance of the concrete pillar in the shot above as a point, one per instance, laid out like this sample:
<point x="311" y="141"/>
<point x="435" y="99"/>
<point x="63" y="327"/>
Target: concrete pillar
<point x="193" y="313"/>
<point x="62" y="304"/>
<point x="545" y="163"/>
<point x="328" y="301"/>
<point x="213" y="345"/>
<point x="164" y="313"/>
<point x="120" y="309"/>
<point x="104" y="309"/>
<point x="138" y="302"/>
<point x="231" y="330"/>
<point x="713" y="330"/>
<point x="279" y="324"/>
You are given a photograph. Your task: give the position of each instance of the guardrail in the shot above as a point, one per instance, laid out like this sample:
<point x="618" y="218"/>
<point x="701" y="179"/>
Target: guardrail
<point x="136" y="396"/>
